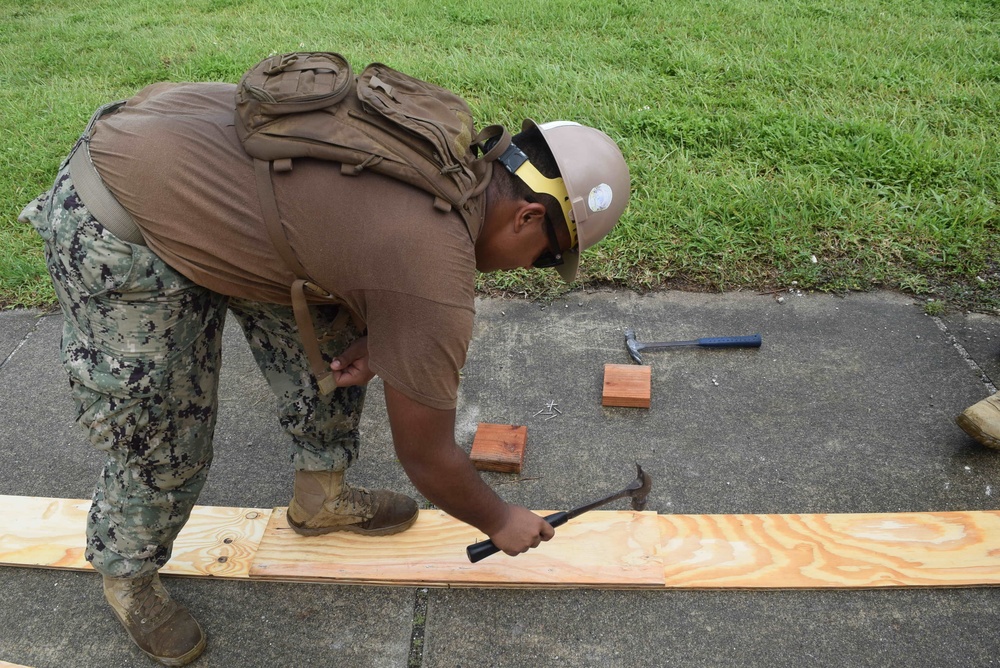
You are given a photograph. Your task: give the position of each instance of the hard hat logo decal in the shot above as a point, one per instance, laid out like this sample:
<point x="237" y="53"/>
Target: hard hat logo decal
<point x="600" y="198"/>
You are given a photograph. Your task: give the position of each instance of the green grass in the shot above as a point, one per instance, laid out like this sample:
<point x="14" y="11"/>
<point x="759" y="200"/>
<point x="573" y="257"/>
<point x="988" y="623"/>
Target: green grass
<point x="842" y="144"/>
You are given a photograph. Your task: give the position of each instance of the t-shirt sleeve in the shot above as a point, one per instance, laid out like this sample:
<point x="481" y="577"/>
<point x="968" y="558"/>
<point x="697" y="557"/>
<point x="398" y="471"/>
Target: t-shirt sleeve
<point x="418" y="346"/>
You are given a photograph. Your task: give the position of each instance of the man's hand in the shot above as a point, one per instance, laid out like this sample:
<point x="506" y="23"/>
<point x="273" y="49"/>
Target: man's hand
<point x="522" y="531"/>
<point x="351" y="366"/>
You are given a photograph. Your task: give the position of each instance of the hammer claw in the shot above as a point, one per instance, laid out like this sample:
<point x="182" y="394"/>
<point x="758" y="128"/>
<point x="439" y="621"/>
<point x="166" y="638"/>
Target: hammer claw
<point x="633" y="346"/>
<point x="637" y="491"/>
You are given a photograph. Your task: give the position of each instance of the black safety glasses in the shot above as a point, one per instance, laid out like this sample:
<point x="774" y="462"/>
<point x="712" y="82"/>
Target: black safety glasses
<point x="553" y="257"/>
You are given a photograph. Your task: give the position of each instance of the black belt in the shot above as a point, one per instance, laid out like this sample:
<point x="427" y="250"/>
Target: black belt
<point x="93" y="193"/>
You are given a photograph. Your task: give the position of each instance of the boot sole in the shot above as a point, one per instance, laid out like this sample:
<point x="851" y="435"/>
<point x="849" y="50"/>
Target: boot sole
<point x="973" y="430"/>
<point x="353" y="528"/>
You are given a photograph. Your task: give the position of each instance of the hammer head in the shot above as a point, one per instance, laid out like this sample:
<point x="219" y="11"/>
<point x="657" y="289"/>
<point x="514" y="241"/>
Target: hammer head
<point x="633" y="348"/>
<point x="639" y="489"/>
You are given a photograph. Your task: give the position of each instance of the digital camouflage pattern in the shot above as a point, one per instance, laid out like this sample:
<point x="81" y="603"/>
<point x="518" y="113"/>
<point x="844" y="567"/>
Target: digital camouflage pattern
<point x="142" y="346"/>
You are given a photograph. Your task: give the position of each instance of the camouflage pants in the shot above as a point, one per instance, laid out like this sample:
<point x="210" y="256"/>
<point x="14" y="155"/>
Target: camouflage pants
<point x="142" y="344"/>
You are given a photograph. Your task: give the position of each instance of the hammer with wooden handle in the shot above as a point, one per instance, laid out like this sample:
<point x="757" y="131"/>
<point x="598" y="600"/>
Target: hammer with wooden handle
<point x="635" y="347"/>
<point x="638" y="491"/>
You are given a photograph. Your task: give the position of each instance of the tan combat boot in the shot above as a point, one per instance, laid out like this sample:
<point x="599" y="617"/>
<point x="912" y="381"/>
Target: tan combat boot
<point x="982" y="421"/>
<point x="322" y="503"/>
<point x="160" y="626"/>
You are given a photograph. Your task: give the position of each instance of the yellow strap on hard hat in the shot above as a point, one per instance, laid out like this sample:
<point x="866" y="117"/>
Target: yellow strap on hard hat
<point x="534" y="179"/>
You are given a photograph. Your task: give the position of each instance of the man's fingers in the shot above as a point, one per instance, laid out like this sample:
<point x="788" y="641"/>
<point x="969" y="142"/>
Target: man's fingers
<point x="351" y="366"/>
<point x="356" y="373"/>
<point x="357" y="350"/>
<point x="546" y="534"/>
<point x="342" y="367"/>
<point x="352" y="375"/>
<point x="345" y="375"/>
<point x="346" y="358"/>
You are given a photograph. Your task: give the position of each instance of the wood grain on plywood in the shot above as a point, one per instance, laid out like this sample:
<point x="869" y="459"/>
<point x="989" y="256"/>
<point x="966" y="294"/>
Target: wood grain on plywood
<point x="831" y="551"/>
<point x="601" y="549"/>
<point x="605" y="549"/>
<point x="51" y="533"/>
<point x="218" y="541"/>
<point x="39" y="531"/>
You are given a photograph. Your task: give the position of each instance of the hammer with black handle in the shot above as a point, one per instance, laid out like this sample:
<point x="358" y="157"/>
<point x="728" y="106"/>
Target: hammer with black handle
<point x="635" y="347"/>
<point x="638" y="490"/>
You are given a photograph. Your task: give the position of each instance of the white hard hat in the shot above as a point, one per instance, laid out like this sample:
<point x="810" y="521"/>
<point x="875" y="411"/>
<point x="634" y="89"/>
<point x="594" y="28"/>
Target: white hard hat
<point x="594" y="188"/>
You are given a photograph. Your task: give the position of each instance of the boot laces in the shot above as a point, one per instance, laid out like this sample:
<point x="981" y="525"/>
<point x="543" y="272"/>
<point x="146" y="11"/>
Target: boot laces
<point x="150" y="600"/>
<point x="360" y="499"/>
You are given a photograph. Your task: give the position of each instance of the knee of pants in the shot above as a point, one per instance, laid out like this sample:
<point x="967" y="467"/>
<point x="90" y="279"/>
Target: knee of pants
<point x="111" y="422"/>
<point x="155" y="436"/>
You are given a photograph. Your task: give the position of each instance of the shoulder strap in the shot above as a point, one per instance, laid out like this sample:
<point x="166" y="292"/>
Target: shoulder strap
<point x="272" y="220"/>
<point x="303" y="320"/>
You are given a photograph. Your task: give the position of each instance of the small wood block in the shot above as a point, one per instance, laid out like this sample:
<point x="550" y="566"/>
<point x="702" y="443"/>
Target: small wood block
<point x="626" y="385"/>
<point x="499" y="447"/>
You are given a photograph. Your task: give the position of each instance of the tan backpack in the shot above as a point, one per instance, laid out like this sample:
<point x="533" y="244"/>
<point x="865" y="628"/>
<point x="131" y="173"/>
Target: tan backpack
<point x="299" y="105"/>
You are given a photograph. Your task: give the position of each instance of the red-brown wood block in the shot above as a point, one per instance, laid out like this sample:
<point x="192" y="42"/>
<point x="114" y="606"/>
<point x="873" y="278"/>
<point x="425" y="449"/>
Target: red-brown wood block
<point x="499" y="447"/>
<point x="626" y="385"/>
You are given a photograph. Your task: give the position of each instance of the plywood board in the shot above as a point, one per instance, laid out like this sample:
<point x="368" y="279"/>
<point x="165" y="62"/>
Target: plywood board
<point x="50" y="533"/>
<point x="950" y="549"/>
<point x="499" y="447"/>
<point x="601" y="549"/>
<point x="627" y="385"/>
<point x="218" y="541"/>
<point x="38" y="531"/>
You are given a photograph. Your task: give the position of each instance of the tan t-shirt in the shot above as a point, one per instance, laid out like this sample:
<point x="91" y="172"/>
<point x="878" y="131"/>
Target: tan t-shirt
<point x="172" y="158"/>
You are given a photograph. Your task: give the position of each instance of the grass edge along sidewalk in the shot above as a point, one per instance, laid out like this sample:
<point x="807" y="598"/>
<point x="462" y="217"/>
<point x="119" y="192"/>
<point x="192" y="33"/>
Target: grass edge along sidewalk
<point x="822" y="146"/>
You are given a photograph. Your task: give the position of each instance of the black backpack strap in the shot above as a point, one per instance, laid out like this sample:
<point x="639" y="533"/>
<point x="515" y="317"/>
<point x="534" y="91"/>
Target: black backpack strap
<point x="303" y="319"/>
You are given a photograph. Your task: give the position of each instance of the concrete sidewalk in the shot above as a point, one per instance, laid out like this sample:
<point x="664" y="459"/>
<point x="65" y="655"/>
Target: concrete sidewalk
<point x="847" y="407"/>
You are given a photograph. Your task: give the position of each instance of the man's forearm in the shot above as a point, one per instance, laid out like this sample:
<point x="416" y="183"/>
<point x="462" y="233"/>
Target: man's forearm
<point x="424" y="439"/>
<point x="449" y="481"/>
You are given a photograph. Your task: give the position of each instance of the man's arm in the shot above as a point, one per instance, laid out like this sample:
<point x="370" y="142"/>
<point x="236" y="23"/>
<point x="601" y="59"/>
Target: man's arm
<point x="424" y="438"/>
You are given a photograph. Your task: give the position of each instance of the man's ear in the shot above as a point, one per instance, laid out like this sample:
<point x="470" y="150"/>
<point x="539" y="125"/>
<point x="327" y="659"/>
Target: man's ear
<point x="529" y="213"/>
